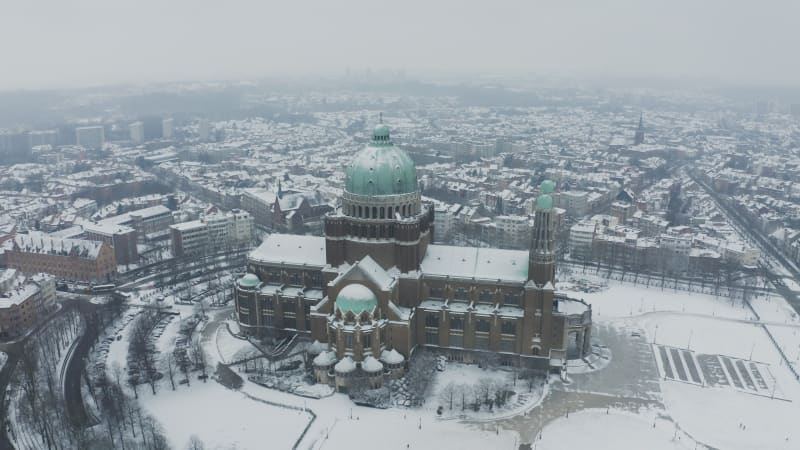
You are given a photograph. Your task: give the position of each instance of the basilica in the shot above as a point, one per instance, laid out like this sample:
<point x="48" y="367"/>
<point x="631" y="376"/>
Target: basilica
<point x="375" y="288"/>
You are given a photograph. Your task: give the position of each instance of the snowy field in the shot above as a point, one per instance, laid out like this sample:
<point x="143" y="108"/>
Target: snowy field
<point x="222" y="418"/>
<point x="712" y="415"/>
<point x="397" y="430"/>
<point x="231" y="348"/>
<point x="593" y="429"/>
<point x="623" y="299"/>
<point x="774" y="308"/>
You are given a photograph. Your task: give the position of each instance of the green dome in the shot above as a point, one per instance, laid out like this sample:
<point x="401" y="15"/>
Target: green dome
<point x="545" y="201"/>
<point x="547" y="187"/>
<point x="249" y="280"/>
<point x="381" y="168"/>
<point x="356" y="298"/>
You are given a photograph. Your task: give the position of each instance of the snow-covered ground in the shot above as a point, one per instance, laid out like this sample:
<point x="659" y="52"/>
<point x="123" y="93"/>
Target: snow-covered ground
<point x="712" y="414"/>
<point x="624" y="299"/>
<point x="615" y="430"/>
<point x="703" y="323"/>
<point x="791" y="284"/>
<point x="222" y="418"/>
<point x="470" y="378"/>
<point x="391" y="430"/>
<point x="231" y="348"/>
<point x="774" y="308"/>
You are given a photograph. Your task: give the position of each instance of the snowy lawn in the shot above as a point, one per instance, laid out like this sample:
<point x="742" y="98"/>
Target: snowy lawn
<point x="627" y="299"/>
<point x="395" y="429"/>
<point x="713" y="415"/>
<point x="222" y="418"/>
<point x="230" y="348"/>
<point x="774" y="308"/>
<point x="616" y="430"/>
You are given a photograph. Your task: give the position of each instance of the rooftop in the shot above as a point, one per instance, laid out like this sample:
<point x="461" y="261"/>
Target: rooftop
<point x="291" y="249"/>
<point x="478" y="263"/>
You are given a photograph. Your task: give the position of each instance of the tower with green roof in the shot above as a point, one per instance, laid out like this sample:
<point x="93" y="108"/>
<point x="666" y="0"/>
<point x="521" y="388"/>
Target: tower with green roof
<point x="542" y="256"/>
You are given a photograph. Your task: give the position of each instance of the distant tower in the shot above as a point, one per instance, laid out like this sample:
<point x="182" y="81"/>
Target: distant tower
<point x="639" y="137"/>
<point x="542" y="257"/>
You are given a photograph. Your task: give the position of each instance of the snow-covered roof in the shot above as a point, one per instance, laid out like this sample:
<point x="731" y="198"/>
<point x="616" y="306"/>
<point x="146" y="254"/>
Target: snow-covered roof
<point x="291" y="249"/>
<point x="367" y="269"/>
<point x="316" y="348"/>
<point x="325" y="359"/>
<point x="473" y="262"/>
<point x="371" y="364"/>
<point x="346" y="365"/>
<point x="392" y="357"/>
<point x="568" y="306"/>
<point x="36" y="242"/>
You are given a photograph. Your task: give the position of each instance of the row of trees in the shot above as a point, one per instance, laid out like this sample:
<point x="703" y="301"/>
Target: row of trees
<point x="39" y="408"/>
<point x="39" y="412"/>
<point x="122" y="415"/>
<point x="141" y="352"/>
<point x="485" y="392"/>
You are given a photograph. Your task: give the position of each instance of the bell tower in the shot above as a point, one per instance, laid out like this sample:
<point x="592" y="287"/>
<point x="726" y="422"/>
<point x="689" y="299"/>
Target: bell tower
<point x="638" y="139"/>
<point x="542" y="256"/>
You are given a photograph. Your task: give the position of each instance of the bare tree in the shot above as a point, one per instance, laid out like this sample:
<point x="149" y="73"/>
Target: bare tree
<point x="133" y="383"/>
<point x="157" y="439"/>
<point x="421" y="370"/>
<point x="199" y="357"/>
<point x="195" y="443"/>
<point x="447" y="394"/>
<point x="171" y="370"/>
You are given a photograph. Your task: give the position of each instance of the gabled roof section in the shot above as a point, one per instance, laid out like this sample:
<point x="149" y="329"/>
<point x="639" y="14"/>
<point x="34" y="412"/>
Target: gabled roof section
<point x="367" y="270"/>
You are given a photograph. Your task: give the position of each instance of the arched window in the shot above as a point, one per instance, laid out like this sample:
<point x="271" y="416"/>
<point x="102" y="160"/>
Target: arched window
<point x="374" y="212"/>
<point x="366" y="212"/>
<point x="359" y="211"/>
<point x="404" y="211"/>
<point x="382" y="215"/>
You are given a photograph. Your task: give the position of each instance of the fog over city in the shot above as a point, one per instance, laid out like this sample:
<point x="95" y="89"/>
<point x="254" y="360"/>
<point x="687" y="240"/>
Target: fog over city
<point x="439" y="224"/>
<point x="55" y="43"/>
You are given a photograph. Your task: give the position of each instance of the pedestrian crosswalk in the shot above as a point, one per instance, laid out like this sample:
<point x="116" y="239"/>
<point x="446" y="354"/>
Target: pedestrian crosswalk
<point x="686" y="366"/>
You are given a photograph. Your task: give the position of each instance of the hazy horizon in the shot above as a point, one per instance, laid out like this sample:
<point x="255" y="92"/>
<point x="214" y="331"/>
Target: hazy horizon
<point x="55" y="44"/>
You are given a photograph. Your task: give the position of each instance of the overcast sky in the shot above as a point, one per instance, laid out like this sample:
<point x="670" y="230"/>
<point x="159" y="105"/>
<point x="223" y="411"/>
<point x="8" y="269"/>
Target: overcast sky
<point x="56" y="43"/>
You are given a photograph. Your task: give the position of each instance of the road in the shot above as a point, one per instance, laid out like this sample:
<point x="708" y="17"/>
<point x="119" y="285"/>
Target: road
<point x="73" y="399"/>
<point x="186" y="263"/>
<point x="767" y="248"/>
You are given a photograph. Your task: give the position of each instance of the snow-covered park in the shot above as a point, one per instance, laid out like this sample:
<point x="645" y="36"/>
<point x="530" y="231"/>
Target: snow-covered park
<point x="634" y="396"/>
